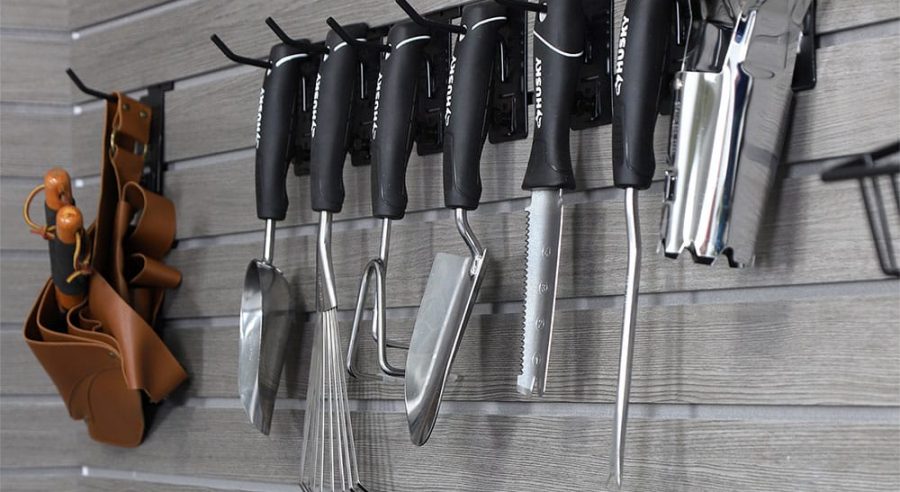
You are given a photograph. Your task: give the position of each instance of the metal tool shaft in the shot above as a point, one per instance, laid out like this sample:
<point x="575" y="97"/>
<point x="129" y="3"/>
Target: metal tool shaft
<point x="269" y="245"/>
<point x="325" y="278"/>
<point x="623" y="388"/>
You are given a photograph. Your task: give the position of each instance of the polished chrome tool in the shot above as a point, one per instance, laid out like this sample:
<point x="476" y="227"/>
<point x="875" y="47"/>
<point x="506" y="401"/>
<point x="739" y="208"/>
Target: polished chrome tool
<point x="640" y="63"/>
<point x="392" y="140"/>
<point x="454" y="281"/>
<point x="266" y="301"/>
<point x="328" y="461"/>
<point x="728" y="132"/>
<point x="558" y="53"/>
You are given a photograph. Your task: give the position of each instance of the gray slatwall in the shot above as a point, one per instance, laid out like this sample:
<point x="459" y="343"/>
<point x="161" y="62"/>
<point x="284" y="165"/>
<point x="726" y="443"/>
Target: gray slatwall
<point x="782" y="377"/>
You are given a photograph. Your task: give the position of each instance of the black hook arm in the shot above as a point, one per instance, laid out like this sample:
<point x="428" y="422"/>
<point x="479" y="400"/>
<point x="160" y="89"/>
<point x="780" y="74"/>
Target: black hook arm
<point x="428" y="23"/>
<point x="522" y="4"/>
<point x="87" y="90"/>
<point x="237" y="58"/>
<point x="340" y="31"/>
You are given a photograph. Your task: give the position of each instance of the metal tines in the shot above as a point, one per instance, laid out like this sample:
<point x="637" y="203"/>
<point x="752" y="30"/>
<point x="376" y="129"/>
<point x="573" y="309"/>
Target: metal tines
<point x="377" y="268"/>
<point x="328" y="461"/>
<point x="877" y="173"/>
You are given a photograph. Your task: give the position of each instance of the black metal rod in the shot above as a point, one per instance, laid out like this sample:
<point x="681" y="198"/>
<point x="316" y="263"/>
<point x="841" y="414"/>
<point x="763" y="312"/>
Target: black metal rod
<point x="428" y="23"/>
<point x="87" y="90"/>
<point x="340" y="31"/>
<point x="521" y="4"/>
<point x="283" y="36"/>
<point x="237" y="58"/>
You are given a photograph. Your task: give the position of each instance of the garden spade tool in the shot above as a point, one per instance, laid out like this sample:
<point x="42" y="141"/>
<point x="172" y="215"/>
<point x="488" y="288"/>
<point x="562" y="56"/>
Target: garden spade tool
<point x="558" y="53"/>
<point x="728" y="129"/>
<point x="328" y="458"/>
<point x="392" y="140"/>
<point x="266" y="301"/>
<point x="454" y="281"/>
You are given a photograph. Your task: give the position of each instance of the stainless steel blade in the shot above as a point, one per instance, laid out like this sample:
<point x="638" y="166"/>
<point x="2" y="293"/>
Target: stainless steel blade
<point x="266" y="313"/>
<point x="441" y="321"/>
<point x="543" y="242"/>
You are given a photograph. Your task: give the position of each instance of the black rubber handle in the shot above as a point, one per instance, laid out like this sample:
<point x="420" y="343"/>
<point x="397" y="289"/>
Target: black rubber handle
<point x="275" y="130"/>
<point x="335" y="85"/>
<point x="392" y="128"/>
<point x="468" y="94"/>
<point x="558" y="53"/>
<point x="639" y="69"/>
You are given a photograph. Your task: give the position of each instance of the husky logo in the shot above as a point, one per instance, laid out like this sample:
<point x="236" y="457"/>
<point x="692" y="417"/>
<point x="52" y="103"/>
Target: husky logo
<point x="375" y="111"/>
<point x="315" y="111"/>
<point x="262" y="96"/>
<point x="450" y="90"/>
<point x="620" y="56"/>
<point x="538" y="92"/>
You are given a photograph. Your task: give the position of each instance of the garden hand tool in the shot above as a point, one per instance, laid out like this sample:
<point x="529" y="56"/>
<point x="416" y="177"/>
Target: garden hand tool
<point x="558" y="52"/>
<point x="70" y="259"/>
<point x="328" y="459"/>
<point x="392" y="140"/>
<point x="728" y="129"/>
<point x="454" y="281"/>
<point x="57" y="188"/>
<point x="266" y="301"/>
<point x="639" y="69"/>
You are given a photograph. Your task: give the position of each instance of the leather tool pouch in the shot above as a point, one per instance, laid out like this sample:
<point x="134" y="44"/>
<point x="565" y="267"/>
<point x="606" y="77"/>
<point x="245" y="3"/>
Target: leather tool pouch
<point x="107" y="362"/>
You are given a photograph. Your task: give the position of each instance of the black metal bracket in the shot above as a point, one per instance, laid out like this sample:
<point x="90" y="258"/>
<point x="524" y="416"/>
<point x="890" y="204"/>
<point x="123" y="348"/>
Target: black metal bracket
<point x="509" y="96"/>
<point x="155" y="158"/>
<point x="805" y="71"/>
<point x="309" y="69"/>
<point x="876" y="171"/>
<point x="432" y="86"/>
<point x="593" y="100"/>
<point x="362" y="111"/>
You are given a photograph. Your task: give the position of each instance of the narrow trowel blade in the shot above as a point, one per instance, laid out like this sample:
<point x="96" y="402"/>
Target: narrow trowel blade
<point x="266" y="313"/>
<point x="543" y="242"/>
<point x="441" y="321"/>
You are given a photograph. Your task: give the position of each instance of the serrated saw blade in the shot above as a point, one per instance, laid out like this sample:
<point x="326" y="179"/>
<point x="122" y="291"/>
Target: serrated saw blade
<point x="543" y="241"/>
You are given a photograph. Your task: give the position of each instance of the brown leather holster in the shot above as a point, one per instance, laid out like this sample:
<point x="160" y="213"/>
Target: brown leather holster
<point x="104" y="356"/>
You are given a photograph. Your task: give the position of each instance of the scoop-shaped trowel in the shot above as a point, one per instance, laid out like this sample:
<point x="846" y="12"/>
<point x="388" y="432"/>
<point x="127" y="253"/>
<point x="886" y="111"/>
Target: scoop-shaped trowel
<point x="266" y="302"/>
<point x="454" y="281"/>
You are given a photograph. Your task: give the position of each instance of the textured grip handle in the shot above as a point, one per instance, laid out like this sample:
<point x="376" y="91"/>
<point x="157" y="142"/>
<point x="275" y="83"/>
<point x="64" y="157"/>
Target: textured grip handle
<point x="338" y="76"/>
<point x="639" y="70"/>
<point x="558" y="53"/>
<point x="468" y="94"/>
<point x="392" y="129"/>
<point x="274" y="131"/>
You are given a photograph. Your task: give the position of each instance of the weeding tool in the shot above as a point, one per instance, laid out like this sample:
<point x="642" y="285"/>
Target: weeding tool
<point x="454" y="281"/>
<point x="392" y="140"/>
<point x="328" y="459"/>
<point x="640" y="64"/>
<point x="266" y="301"/>
<point x="71" y="285"/>
<point x="558" y="51"/>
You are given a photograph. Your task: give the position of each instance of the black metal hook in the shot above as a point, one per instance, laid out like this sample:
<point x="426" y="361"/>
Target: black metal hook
<point x="301" y="43"/>
<point x="428" y="23"/>
<point x="237" y="58"/>
<point x="522" y="4"/>
<point x="356" y="43"/>
<point x="87" y="90"/>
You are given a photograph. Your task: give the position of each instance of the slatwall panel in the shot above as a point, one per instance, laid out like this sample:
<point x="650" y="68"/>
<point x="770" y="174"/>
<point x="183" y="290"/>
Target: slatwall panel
<point x="781" y="377"/>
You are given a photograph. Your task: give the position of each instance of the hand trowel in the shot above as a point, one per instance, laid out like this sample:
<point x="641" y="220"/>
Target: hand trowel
<point x="454" y="281"/>
<point x="266" y="302"/>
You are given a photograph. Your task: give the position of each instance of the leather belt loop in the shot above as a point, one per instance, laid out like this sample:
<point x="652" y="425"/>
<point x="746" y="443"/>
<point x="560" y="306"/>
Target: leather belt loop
<point x="154" y="232"/>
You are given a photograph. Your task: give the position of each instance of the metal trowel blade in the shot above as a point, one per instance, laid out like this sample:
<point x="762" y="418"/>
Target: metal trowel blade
<point x="266" y="314"/>
<point x="441" y="321"/>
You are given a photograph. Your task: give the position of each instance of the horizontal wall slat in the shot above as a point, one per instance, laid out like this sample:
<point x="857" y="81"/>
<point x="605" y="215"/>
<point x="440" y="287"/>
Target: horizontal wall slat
<point x="89" y="12"/>
<point x="33" y="142"/>
<point x="14" y="234"/>
<point x="551" y="454"/>
<point x="826" y="119"/>
<point x="175" y="43"/>
<point x="42" y="483"/>
<point x="22" y="373"/>
<point x="790" y="250"/>
<point x="842" y="351"/>
<point x="22" y="281"/>
<point x="34" y="71"/>
<point x="36" y="14"/>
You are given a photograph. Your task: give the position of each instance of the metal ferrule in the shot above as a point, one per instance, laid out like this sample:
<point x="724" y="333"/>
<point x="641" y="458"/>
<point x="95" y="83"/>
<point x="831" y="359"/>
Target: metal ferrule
<point x="269" y="245"/>
<point x="727" y="135"/>
<point x="326" y="291"/>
